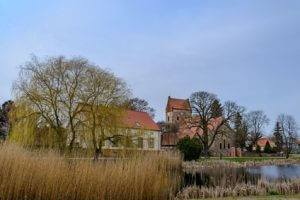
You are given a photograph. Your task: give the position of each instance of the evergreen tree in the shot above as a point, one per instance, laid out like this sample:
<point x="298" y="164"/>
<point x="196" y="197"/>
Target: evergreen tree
<point x="268" y="148"/>
<point x="240" y="129"/>
<point x="216" y="109"/>
<point x="4" y="119"/>
<point x="278" y="137"/>
<point x="190" y="148"/>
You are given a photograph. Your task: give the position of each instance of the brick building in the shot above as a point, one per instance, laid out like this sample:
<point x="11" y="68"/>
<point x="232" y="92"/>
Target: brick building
<point x="179" y="112"/>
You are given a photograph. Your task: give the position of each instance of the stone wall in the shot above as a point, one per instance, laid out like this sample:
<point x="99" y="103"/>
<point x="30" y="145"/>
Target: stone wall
<point x="223" y="144"/>
<point x="177" y="115"/>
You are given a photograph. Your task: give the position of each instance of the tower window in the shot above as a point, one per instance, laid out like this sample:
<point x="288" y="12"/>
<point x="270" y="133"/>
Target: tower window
<point x="220" y="145"/>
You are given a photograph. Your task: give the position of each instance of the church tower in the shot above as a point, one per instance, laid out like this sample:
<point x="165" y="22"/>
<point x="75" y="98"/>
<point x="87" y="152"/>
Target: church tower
<point x="177" y="110"/>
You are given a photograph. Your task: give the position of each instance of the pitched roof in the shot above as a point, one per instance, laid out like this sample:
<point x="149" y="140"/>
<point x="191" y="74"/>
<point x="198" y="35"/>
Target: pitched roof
<point x="297" y="142"/>
<point x="263" y="141"/>
<point x="178" y="104"/>
<point x="136" y="119"/>
<point x="186" y="128"/>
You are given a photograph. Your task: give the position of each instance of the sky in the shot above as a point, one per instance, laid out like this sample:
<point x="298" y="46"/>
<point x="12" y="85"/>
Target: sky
<point x="245" y="51"/>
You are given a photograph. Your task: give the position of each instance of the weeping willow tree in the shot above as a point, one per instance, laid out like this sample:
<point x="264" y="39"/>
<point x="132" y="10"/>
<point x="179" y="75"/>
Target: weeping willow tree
<point x="49" y="94"/>
<point x="28" y="129"/>
<point x="103" y="112"/>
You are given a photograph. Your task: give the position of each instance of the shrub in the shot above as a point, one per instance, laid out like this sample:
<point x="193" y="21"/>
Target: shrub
<point x="258" y="149"/>
<point x="190" y="148"/>
<point x="272" y="193"/>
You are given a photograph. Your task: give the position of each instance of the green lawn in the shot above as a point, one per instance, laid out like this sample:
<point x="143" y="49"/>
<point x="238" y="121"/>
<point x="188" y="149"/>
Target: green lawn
<point x="245" y="159"/>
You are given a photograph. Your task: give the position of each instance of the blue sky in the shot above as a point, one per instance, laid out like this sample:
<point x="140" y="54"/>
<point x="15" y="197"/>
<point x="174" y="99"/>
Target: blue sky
<point x="246" y="51"/>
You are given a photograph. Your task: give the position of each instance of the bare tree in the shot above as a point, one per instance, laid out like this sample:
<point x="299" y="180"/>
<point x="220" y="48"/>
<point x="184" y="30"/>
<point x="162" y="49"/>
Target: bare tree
<point x="210" y="117"/>
<point x="39" y="84"/>
<point x="256" y="121"/>
<point x="73" y="79"/>
<point x="289" y="129"/>
<point x="54" y="89"/>
<point x="140" y="105"/>
<point x="103" y="113"/>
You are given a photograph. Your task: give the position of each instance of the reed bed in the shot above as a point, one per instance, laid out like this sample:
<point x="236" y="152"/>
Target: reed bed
<point x="263" y="187"/>
<point x="37" y="175"/>
<point x="198" y="166"/>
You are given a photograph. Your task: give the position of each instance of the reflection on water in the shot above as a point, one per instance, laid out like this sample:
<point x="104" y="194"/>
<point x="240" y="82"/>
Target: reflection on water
<point x="220" y="176"/>
<point x="277" y="172"/>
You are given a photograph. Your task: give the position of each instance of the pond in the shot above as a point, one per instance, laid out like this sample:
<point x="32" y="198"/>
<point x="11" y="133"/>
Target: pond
<point x="276" y="172"/>
<point x="224" y="177"/>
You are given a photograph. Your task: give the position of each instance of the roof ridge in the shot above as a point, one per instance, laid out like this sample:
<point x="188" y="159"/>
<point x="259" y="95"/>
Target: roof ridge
<point x="136" y="111"/>
<point x="178" y="99"/>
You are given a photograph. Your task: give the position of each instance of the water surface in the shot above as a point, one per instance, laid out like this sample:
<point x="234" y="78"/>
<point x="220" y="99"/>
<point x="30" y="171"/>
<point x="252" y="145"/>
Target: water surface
<point x="276" y="172"/>
<point x="224" y="177"/>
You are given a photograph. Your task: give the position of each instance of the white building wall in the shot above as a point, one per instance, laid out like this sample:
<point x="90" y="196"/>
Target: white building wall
<point x="146" y="135"/>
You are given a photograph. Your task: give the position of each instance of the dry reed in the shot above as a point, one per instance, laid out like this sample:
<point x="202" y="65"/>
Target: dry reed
<point x="35" y="175"/>
<point x="198" y="166"/>
<point x="263" y="187"/>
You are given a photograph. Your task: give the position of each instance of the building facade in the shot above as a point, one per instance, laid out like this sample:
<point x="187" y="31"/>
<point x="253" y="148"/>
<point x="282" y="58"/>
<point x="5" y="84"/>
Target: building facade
<point x="179" y="112"/>
<point x="136" y="131"/>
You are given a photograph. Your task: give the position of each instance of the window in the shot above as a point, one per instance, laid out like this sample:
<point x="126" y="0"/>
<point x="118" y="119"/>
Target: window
<point x="128" y="142"/>
<point x="140" y="142"/>
<point x="228" y="146"/>
<point x="168" y="118"/>
<point x="177" y="118"/>
<point x="220" y="145"/>
<point x="224" y="145"/>
<point x="115" y="142"/>
<point x="151" y="143"/>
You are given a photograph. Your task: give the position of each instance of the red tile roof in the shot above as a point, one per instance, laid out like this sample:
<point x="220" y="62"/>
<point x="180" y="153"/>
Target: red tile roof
<point x="178" y="104"/>
<point x="186" y="128"/>
<point x="136" y="119"/>
<point x="263" y="141"/>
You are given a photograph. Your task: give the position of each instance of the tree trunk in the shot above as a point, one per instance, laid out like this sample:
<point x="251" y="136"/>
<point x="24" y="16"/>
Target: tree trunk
<point x="98" y="151"/>
<point x="206" y="151"/>
<point x="287" y="153"/>
<point x="73" y="131"/>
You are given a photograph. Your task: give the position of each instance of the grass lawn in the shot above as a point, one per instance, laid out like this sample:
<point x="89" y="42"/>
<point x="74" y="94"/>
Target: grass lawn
<point x="277" y="197"/>
<point x="243" y="159"/>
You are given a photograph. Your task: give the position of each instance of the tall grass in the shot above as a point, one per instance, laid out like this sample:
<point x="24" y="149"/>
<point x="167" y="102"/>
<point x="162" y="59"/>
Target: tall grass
<point x="263" y="187"/>
<point x="37" y="175"/>
<point x="198" y="166"/>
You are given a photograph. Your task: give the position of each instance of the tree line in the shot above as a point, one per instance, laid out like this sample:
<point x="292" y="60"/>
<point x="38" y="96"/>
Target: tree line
<point x="214" y="119"/>
<point x="57" y="99"/>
